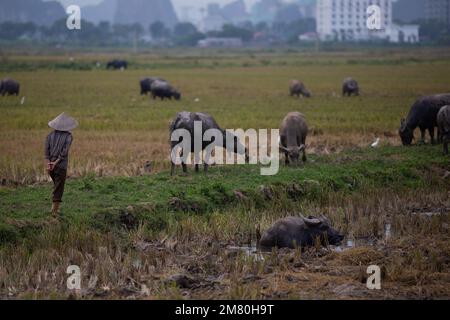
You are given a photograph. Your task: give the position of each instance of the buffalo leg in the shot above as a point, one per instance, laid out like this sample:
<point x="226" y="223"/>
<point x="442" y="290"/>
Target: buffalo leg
<point x="446" y="140"/>
<point x="431" y="131"/>
<point x="205" y="167"/>
<point x="196" y="161"/>
<point x="172" y="169"/>
<point x="286" y="158"/>
<point x="304" y="155"/>
<point x="422" y="136"/>
<point x="183" y="164"/>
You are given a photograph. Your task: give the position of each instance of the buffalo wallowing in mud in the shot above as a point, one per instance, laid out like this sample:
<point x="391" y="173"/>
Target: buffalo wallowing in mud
<point x="293" y="232"/>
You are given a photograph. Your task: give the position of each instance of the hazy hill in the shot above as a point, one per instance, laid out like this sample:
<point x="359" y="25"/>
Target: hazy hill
<point x="37" y="11"/>
<point x="145" y="12"/>
<point x="104" y="11"/>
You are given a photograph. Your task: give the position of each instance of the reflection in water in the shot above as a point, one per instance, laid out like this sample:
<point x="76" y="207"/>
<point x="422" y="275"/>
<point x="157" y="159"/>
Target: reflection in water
<point x="249" y="251"/>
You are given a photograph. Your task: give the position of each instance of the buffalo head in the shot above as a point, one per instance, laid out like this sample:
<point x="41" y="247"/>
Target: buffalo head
<point x="406" y="134"/>
<point x="320" y="228"/>
<point x="293" y="152"/>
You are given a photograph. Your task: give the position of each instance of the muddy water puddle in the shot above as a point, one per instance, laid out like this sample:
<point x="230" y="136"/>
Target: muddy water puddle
<point x="248" y="251"/>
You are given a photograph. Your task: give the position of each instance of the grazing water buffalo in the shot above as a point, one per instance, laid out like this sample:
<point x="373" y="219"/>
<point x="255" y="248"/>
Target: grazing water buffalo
<point x="185" y="120"/>
<point x="443" y="122"/>
<point x="9" y="87"/>
<point x="292" y="232"/>
<point x="117" y="64"/>
<point x="423" y="114"/>
<point x="349" y="87"/>
<point x="297" y="88"/>
<point x="146" y="84"/>
<point x="293" y="132"/>
<point x="164" y="90"/>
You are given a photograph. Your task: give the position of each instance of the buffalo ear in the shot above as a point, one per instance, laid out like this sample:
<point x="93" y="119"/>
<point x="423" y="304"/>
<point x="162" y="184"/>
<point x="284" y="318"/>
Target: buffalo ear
<point x="283" y="149"/>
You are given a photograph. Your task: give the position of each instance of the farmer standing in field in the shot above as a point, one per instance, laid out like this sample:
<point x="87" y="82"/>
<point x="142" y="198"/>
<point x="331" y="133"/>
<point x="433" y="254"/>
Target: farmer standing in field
<point x="57" y="147"/>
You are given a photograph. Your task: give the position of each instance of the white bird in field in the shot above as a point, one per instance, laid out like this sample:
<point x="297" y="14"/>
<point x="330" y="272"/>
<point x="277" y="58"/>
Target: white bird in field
<point x="22" y="101"/>
<point x="196" y="99"/>
<point x="376" y="143"/>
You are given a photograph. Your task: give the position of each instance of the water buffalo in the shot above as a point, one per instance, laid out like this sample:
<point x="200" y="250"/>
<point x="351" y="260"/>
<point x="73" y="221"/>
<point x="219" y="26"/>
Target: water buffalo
<point x="293" y="132"/>
<point x="117" y="64"/>
<point x="146" y="84"/>
<point x="297" y="88"/>
<point x="292" y="232"/>
<point x="185" y="120"/>
<point x="9" y="87"/>
<point x="443" y="122"/>
<point x="349" y="87"/>
<point x="162" y="89"/>
<point x="423" y="114"/>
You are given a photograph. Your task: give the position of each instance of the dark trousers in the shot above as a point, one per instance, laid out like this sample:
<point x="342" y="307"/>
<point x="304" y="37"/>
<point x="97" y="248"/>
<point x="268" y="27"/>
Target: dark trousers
<point x="58" y="176"/>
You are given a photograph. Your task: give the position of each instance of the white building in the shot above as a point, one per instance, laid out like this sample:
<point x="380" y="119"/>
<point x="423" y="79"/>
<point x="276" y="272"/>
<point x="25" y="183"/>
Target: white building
<point x="346" y="20"/>
<point x="212" y="42"/>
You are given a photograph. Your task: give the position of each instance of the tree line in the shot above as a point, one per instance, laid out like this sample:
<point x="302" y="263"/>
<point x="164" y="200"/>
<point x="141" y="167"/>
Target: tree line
<point x="182" y="34"/>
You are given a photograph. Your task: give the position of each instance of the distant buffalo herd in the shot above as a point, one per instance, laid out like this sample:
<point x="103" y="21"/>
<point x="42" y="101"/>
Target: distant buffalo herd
<point x="426" y="113"/>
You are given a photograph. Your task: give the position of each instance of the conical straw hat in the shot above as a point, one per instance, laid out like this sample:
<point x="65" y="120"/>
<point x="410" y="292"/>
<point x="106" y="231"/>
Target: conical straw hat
<point x="63" y="123"/>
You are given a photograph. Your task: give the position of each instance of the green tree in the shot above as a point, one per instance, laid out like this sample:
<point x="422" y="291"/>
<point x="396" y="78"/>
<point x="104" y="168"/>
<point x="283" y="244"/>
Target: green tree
<point x="159" y="31"/>
<point x="186" y="34"/>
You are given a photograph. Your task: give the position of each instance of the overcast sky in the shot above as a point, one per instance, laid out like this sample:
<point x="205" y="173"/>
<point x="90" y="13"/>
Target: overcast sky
<point x="177" y="3"/>
<point x="192" y="6"/>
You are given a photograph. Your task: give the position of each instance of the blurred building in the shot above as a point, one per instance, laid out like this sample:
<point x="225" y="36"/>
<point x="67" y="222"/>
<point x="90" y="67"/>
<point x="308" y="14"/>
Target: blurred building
<point x="346" y="20"/>
<point x="438" y="10"/>
<point x="220" y="43"/>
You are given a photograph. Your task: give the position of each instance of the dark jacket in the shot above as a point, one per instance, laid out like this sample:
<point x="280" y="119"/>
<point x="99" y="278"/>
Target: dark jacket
<point x="57" y="147"/>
